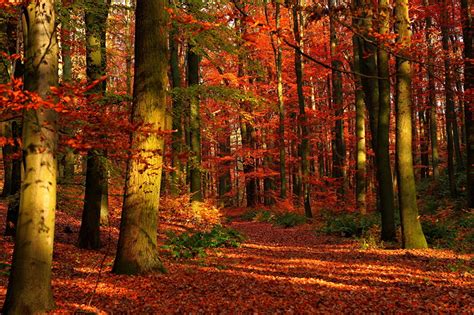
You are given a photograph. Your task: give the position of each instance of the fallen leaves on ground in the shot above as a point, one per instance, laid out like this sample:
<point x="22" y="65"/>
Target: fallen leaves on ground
<point x="275" y="270"/>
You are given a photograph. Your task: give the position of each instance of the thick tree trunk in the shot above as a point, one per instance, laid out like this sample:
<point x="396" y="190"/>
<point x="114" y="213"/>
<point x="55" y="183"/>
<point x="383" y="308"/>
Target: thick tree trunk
<point x="412" y="234"/>
<point x="382" y="154"/>
<point x="29" y="288"/>
<point x="137" y="250"/>
<point x="96" y="196"/>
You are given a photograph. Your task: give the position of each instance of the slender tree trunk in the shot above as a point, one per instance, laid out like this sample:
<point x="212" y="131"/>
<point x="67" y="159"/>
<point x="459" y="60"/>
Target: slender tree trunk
<point x="177" y="137"/>
<point x="95" y="198"/>
<point x="137" y="250"/>
<point x="449" y="101"/>
<point x="29" y="288"/>
<point x="14" y="203"/>
<point x="412" y="234"/>
<point x="382" y="154"/>
<point x="468" y="33"/>
<point x="5" y="127"/>
<point x="361" y="151"/>
<point x="68" y="160"/>
<point x="281" y="105"/>
<point x="304" y="149"/>
<point x="338" y="147"/>
<point x="195" y="127"/>
<point x="433" y="117"/>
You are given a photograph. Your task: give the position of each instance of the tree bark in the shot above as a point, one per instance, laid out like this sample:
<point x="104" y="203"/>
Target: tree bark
<point x="304" y="149"/>
<point x="449" y="101"/>
<point x="281" y="105"/>
<point x="382" y="154"/>
<point x="361" y="150"/>
<point x="468" y="31"/>
<point x="96" y="197"/>
<point x="29" y="288"/>
<point x="137" y="250"/>
<point x="412" y="234"/>
<point x="195" y="127"/>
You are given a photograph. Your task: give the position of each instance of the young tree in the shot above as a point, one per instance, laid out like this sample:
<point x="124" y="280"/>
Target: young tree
<point x="137" y="250"/>
<point x="412" y="234"/>
<point x="29" y="287"/>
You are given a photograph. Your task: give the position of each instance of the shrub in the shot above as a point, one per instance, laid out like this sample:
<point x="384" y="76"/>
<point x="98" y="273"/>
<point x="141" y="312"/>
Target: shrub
<point x="264" y="216"/>
<point x="439" y="234"/>
<point x="349" y="224"/>
<point x="193" y="215"/>
<point x="289" y="219"/>
<point x="188" y="245"/>
<point x="4" y="268"/>
<point x="249" y="215"/>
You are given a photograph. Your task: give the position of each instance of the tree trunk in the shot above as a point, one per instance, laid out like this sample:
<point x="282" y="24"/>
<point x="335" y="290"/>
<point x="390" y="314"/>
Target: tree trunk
<point x="432" y="115"/>
<point x="449" y="101"/>
<point x="195" y="127"/>
<point x="304" y="149"/>
<point x="468" y="31"/>
<point x="137" y="250"/>
<point x="29" y="288"/>
<point x="95" y="198"/>
<point x="412" y="234"/>
<point x="382" y="154"/>
<point x="177" y="137"/>
<point x="361" y="151"/>
<point x="338" y="147"/>
<point x="14" y="202"/>
<point x="281" y="105"/>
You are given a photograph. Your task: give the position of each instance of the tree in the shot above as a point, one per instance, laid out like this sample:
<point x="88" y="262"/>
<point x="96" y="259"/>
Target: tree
<point x="361" y="150"/>
<point x="29" y="287"/>
<point x="194" y="126"/>
<point x="298" y="23"/>
<point x="137" y="250"/>
<point x="468" y="31"/>
<point x="412" y="234"/>
<point x="95" y="198"/>
<point x="338" y="147"/>
<point x="382" y="154"/>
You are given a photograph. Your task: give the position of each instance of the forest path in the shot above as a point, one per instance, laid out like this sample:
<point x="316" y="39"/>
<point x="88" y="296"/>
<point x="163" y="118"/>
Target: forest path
<point x="282" y="270"/>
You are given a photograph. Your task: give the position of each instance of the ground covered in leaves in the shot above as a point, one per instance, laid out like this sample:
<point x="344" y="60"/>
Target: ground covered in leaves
<point x="275" y="270"/>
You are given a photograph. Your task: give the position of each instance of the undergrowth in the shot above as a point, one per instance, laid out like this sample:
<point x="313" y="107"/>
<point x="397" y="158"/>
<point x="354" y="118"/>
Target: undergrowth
<point x="445" y="221"/>
<point x="284" y="219"/>
<point x="190" y="245"/>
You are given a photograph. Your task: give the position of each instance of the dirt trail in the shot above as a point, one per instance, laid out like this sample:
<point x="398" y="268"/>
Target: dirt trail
<point x="276" y="270"/>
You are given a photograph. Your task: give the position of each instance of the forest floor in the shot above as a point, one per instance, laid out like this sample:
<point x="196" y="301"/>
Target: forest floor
<point x="292" y="270"/>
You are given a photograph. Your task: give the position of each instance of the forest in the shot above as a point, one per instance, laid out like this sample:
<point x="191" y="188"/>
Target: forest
<point x="236" y="156"/>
